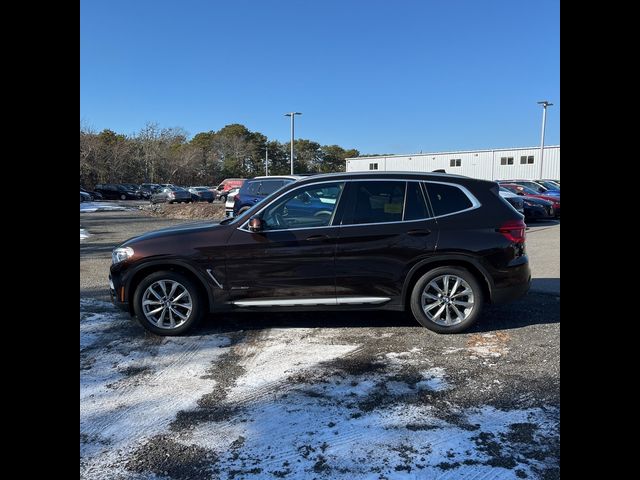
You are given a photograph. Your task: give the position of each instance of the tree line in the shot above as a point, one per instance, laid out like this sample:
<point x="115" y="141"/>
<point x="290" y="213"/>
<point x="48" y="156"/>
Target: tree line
<point x="166" y="155"/>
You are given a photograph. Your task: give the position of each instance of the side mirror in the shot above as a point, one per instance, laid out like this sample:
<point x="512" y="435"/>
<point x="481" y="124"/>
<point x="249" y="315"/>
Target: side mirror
<point x="256" y="224"/>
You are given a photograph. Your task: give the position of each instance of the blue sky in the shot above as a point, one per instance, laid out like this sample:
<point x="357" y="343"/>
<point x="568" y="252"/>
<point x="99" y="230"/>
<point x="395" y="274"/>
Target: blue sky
<point x="381" y="76"/>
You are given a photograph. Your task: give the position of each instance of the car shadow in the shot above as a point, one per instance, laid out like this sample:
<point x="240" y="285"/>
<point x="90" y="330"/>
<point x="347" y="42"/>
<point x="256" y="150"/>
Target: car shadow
<point x="533" y="309"/>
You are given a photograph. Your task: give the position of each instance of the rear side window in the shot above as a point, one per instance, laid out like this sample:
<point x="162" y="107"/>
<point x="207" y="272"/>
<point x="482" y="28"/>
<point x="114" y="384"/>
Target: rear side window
<point x="415" y="208"/>
<point x="270" y="186"/>
<point x="251" y="188"/>
<point x="378" y="202"/>
<point x="446" y="199"/>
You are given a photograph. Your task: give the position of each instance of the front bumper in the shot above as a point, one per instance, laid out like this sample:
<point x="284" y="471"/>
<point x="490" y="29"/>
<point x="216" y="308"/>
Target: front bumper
<point x="117" y="295"/>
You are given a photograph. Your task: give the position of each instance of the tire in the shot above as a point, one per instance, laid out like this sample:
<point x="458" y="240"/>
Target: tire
<point x="123" y="197"/>
<point x="193" y="315"/>
<point x="209" y="201"/>
<point x="223" y="198"/>
<point x="438" y="323"/>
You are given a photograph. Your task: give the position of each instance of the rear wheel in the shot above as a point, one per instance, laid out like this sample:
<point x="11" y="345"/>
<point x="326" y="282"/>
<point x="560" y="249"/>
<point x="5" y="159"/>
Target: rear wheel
<point x="168" y="303"/>
<point x="123" y="197"/>
<point x="447" y="300"/>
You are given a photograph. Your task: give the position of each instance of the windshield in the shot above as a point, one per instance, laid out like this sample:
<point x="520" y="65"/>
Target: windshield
<point x="529" y="191"/>
<point x="549" y="185"/>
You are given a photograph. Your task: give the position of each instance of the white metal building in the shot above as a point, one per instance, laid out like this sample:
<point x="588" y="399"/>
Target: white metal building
<point x="495" y="164"/>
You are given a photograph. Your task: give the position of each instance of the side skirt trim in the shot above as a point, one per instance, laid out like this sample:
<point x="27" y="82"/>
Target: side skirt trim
<point x="295" y="302"/>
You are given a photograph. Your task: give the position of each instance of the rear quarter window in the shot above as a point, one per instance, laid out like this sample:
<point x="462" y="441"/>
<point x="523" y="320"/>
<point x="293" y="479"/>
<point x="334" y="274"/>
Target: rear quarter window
<point x="270" y="186"/>
<point x="447" y="199"/>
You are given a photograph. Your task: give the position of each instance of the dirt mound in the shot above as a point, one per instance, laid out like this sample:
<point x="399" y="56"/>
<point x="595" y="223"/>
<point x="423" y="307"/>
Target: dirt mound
<point x="196" y="211"/>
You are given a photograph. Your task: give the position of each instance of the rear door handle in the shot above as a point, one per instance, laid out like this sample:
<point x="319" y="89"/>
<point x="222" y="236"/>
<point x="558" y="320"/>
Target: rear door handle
<point x="317" y="237"/>
<point x="419" y="232"/>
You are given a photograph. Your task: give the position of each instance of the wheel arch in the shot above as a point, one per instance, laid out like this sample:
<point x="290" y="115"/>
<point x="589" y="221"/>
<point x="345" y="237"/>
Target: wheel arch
<point x="171" y="265"/>
<point x="481" y="275"/>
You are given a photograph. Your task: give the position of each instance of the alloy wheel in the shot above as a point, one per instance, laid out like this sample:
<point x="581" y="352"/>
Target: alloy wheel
<point x="448" y="300"/>
<point x="167" y="304"/>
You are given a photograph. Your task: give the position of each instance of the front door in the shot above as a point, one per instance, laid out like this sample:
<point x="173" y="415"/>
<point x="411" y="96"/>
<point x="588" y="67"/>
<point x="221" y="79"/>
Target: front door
<point x="290" y="262"/>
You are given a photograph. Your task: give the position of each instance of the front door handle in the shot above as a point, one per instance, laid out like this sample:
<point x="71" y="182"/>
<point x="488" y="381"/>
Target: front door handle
<point x="419" y="232"/>
<point x="317" y="237"/>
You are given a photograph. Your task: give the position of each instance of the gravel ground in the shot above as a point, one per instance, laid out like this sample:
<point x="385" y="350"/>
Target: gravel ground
<point x="310" y="395"/>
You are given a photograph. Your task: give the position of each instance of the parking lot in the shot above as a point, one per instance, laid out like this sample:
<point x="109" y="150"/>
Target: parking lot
<point x="317" y="395"/>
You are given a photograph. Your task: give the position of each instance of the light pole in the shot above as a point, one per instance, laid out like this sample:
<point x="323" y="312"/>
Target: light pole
<point x="544" y="104"/>
<point x="266" y="161"/>
<point x="292" y="115"/>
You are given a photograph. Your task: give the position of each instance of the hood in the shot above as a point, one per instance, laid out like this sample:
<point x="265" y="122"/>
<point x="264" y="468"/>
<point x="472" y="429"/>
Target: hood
<point x="175" y="230"/>
<point x="537" y="201"/>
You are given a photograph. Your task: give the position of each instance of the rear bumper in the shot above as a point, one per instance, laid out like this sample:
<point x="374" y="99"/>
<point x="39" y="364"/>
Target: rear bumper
<point x="510" y="293"/>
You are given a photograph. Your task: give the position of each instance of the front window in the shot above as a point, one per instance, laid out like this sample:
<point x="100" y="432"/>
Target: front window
<point x="311" y="206"/>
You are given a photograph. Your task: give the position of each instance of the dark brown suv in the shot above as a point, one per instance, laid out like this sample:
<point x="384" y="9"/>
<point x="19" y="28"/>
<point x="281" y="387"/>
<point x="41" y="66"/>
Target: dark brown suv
<point x="438" y="245"/>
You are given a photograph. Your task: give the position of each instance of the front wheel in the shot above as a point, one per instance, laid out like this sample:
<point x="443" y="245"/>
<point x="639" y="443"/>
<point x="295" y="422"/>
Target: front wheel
<point x="123" y="197"/>
<point x="447" y="300"/>
<point x="168" y="303"/>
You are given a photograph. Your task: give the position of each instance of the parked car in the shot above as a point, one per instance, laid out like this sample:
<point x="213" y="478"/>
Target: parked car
<point x="537" y="209"/>
<point x="529" y="193"/>
<point x="148" y="189"/>
<point x="515" y="200"/>
<point x="550" y="185"/>
<point x="202" y="194"/>
<point x="113" y="191"/>
<point x="257" y="189"/>
<point x="226" y="185"/>
<point x="390" y="241"/>
<point x="171" y="194"/>
<point x="92" y="194"/>
<point x="85" y="197"/>
<point x="228" y="205"/>
<point x="536" y="187"/>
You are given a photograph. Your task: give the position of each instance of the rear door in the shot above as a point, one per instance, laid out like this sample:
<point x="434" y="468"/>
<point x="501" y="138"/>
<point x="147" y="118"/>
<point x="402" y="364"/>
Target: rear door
<point x="387" y="228"/>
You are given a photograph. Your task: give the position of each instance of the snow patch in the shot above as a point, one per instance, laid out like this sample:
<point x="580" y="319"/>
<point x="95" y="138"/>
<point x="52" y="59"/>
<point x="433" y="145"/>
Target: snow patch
<point x="88" y="207"/>
<point x="118" y="410"/>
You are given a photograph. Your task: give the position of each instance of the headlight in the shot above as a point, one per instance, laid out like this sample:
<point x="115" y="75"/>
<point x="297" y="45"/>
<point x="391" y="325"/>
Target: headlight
<point x="121" y="253"/>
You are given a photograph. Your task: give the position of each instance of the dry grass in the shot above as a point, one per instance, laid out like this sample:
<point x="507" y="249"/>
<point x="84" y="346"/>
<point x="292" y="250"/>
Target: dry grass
<point x="189" y="211"/>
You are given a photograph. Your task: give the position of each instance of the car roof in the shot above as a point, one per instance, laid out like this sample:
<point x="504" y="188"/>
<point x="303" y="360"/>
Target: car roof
<point x="278" y="177"/>
<point x="398" y="175"/>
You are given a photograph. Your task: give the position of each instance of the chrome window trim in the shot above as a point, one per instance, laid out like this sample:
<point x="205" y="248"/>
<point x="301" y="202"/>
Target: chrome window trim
<point x="474" y="201"/>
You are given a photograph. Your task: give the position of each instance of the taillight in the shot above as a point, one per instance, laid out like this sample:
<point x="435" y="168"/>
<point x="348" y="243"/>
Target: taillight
<point x="513" y="231"/>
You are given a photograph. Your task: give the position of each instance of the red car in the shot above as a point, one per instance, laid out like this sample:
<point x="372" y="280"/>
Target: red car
<point x="226" y="185"/>
<point x="528" y="192"/>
